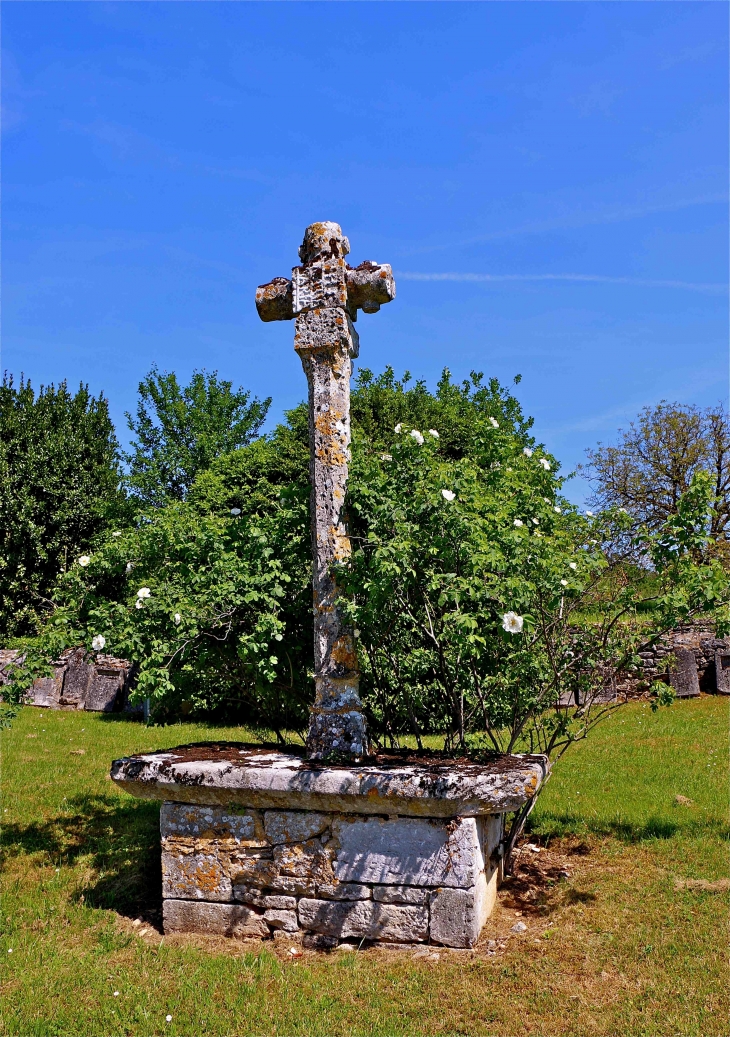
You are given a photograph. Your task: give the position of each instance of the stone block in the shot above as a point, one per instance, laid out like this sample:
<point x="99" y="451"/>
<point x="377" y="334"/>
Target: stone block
<point x="194" y="876"/>
<point x="249" y="895"/>
<point x="281" y="903"/>
<point x="683" y="676"/>
<point x="364" y="919"/>
<point x="408" y="851"/>
<point x="257" y="869"/>
<point x="185" y="820"/>
<point x="400" y="895"/>
<point x="343" y="891"/>
<point x="277" y="918"/>
<point x="318" y="942"/>
<point x="722" y="671"/>
<point x="457" y="915"/>
<point x="105" y="687"/>
<point x="308" y="860"/>
<point x="189" y="916"/>
<point x="79" y="674"/>
<point x="294" y="826"/>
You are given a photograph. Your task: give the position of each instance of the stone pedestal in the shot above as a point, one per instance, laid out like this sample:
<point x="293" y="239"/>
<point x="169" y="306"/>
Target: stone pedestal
<point x="257" y="843"/>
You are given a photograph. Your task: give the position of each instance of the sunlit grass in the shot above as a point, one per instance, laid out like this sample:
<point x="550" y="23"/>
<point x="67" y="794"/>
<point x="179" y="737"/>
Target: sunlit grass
<point x="630" y="943"/>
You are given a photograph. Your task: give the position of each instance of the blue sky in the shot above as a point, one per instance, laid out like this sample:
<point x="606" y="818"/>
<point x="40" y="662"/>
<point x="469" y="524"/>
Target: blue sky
<point x="548" y="180"/>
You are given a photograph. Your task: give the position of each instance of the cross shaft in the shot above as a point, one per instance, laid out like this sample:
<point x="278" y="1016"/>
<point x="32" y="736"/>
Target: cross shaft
<point x="324" y="295"/>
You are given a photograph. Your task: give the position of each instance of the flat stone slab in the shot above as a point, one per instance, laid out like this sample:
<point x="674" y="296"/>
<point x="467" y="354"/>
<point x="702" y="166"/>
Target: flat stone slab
<point x="222" y="774"/>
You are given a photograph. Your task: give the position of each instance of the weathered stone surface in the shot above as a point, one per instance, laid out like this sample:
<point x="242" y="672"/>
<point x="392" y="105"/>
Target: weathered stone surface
<point x="683" y="676"/>
<point x="457" y="915"/>
<point x="207" y="822"/>
<point x="76" y="680"/>
<point x="343" y="891"/>
<point x="278" y="918"/>
<point x="250" y="895"/>
<point x="189" y="916"/>
<point x="408" y="851"/>
<point x="276" y="780"/>
<point x="307" y="860"/>
<point x="280" y="903"/>
<point x="46" y="691"/>
<point x="325" y="296"/>
<point x="105" y="687"/>
<point x="364" y="919"/>
<point x="318" y="942"/>
<point x="194" y="876"/>
<point x="255" y="869"/>
<point x="400" y="895"/>
<point x="722" y="671"/>
<point x="291" y="826"/>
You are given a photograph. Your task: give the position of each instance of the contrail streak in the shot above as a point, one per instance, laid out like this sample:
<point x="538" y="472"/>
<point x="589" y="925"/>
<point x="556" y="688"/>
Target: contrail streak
<point x="639" y="282"/>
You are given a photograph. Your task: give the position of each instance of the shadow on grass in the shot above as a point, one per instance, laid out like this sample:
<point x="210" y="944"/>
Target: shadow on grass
<point x="655" y="827"/>
<point x="118" y="840"/>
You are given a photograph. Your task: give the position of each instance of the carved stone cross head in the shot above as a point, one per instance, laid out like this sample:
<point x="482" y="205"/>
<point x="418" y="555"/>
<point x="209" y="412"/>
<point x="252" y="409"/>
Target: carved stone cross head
<point x="324" y="294"/>
<point x="325" y="280"/>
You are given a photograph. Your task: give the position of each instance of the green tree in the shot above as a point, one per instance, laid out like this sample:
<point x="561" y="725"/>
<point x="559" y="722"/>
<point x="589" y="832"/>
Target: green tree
<point x="180" y="431"/>
<point x="59" y="486"/>
<point x="654" y="461"/>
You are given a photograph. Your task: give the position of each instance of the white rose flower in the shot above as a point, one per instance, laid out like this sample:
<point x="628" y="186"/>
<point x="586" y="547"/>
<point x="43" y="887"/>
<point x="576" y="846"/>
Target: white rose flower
<point x="512" y="623"/>
<point x="494" y="422"/>
<point x="84" y="560"/>
<point x="415" y="434"/>
<point x="398" y="428"/>
<point x="557" y="510"/>
<point x="589" y="514"/>
<point x="177" y="618"/>
<point x="536" y="521"/>
<point x="572" y="565"/>
<point x="527" y="452"/>
<point x="448" y="494"/>
<point x="356" y="632"/>
<point x="139" y="603"/>
<point x="545" y="464"/>
<point x="130" y="566"/>
<point x="563" y="583"/>
<point x="98" y="643"/>
<point x="144" y="592"/>
<point x="434" y="433"/>
<point x="117" y="533"/>
<point x="519" y="522"/>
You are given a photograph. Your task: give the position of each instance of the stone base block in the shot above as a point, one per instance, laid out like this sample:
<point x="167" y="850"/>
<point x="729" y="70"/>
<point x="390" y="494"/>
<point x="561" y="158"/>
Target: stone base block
<point x="245" y="872"/>
<point x="188" y="916"/>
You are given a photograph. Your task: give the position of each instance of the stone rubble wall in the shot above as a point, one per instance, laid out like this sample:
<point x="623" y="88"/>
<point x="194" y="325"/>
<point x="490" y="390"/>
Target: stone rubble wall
<point x="318" y="878"/>
<point x="694" y="649"/>
<point x="99" y="683"/>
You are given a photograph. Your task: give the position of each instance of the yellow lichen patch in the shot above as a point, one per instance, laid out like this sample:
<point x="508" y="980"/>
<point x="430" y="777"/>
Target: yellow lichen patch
<point x="343" y="652"/>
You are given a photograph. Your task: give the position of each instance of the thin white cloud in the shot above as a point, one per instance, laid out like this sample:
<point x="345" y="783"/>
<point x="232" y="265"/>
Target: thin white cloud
<point x="639" y="282"/>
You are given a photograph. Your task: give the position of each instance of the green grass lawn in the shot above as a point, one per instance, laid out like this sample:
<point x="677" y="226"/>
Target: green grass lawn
<point x="626" y="905"/>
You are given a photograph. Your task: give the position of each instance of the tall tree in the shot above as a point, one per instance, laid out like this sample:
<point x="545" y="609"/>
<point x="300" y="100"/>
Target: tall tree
<point x="181" y="430"/>
<point x="654" y="462"/>
<point x="59" y="485"/>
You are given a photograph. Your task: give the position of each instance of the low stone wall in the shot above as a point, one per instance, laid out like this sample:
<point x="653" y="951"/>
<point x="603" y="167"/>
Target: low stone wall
<point x="700" y="641"/>
<point x="325" y="877"/>
<point x="99" y="684"/>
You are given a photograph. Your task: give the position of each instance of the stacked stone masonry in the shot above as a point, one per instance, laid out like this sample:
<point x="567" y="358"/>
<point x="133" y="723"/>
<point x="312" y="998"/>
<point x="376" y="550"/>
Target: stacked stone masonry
<point x="98" y="683"/>
<point x="326" y="877"/>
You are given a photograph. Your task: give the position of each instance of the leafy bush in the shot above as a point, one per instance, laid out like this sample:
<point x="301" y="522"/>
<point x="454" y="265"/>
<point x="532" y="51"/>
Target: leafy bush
<point x="59" y="486"/>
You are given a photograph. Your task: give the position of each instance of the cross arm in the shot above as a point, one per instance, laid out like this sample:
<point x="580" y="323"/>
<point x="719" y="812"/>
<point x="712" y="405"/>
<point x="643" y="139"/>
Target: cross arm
<point x="274" y="300"/>
<point x="369" y="286"/>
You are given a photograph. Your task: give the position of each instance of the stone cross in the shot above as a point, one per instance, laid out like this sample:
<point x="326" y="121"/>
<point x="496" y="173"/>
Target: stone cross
<point x="324" y="294"/>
